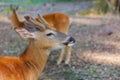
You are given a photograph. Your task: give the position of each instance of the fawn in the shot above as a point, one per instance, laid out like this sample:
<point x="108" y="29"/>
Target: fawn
<point x="56" y="21"/>
<point x="30" y="64"/>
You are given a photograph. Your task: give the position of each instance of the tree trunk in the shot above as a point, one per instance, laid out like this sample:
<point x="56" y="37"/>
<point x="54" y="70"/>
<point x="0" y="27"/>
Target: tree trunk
<point x="117" y="6"/>
<point x="114" y="5"/>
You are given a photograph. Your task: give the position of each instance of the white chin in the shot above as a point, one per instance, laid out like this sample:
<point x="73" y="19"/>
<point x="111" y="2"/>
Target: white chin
<point x="70" y="44"/>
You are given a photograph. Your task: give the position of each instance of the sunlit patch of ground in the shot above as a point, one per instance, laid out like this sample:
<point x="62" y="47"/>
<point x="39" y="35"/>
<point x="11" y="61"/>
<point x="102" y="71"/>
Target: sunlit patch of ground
<point x="99" y="45"/>
<point x="102" y="58"/>
<point x="4" y="18"/>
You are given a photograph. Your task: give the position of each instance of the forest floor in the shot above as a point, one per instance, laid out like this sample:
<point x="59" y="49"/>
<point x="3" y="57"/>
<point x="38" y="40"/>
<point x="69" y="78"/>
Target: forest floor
<point x="95" y="56"/>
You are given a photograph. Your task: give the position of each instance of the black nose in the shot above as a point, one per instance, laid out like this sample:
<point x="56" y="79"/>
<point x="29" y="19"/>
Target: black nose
<point x="71" y="40"/>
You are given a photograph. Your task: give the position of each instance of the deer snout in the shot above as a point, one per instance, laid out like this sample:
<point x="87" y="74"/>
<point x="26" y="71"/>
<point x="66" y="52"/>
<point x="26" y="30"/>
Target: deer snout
<point x="69" y="41"/>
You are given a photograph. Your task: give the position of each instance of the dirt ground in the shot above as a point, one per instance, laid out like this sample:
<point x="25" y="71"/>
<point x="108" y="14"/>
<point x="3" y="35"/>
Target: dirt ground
<point x="95" y="56"/>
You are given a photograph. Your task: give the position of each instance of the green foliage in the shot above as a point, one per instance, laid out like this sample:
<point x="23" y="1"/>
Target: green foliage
<point x="69" y="75"/>
<point x="43" y="1"/>
<point x="85" y="12"/>
<point x="22" y="8"/>
<point x="31" y="1"/>
<point x="15" y="1"/>
<point x="101" y="6"/>
<point x="7" y="10"/>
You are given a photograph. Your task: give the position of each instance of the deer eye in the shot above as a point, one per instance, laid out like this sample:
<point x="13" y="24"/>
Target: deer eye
<point x="50" y="34"/>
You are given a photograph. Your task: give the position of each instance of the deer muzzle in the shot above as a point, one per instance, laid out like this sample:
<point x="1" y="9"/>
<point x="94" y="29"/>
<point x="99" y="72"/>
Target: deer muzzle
<point x="70" y="41"/>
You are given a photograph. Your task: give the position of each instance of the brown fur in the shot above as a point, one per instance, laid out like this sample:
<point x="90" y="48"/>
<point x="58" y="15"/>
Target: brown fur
<point x="14" y="20"/>
<point x="27" y="66"/>
<point x="58" y="21"/>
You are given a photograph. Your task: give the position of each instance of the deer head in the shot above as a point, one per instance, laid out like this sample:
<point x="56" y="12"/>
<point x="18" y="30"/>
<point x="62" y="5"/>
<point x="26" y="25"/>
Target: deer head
<point x="42" y="34"/>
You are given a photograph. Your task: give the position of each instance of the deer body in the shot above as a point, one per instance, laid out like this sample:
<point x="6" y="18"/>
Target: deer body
<point x="27" y="66"/>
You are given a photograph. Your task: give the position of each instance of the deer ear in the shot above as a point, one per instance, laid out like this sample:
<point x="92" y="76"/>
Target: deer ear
<point x="25" y="34"/>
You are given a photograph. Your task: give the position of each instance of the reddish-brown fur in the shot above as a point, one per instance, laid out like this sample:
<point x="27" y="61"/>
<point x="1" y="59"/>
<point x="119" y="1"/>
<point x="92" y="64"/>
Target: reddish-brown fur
<point x="58" y="21"/>
<point x="27" y="66"/>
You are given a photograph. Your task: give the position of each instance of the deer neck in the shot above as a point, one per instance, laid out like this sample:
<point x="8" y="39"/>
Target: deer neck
<point x="35" y="58"/>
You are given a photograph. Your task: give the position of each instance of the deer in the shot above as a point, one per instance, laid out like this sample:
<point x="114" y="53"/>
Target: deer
<point x="56" y="21"/>
<point x="42" y="39"/>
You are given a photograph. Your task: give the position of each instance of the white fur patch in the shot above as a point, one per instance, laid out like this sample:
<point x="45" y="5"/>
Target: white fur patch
<point x="67" y="39"/>
<point x="48" y="52"/>
<point x="50" y="31"/>
<point x="25" y="34"/>
<point x="71" y="44"/>
<point x="71" y="20"/>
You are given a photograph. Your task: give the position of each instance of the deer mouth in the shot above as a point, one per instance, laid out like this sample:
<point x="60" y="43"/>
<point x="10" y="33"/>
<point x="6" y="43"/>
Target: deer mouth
<point x="69" y="41"/>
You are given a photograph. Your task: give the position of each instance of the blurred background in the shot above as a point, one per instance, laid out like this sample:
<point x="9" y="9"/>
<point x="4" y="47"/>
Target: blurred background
<point x="95" y="26"/>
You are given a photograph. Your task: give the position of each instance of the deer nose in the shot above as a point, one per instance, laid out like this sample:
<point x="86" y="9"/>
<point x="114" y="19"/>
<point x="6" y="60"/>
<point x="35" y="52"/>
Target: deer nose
<point x="70" y="41"/>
